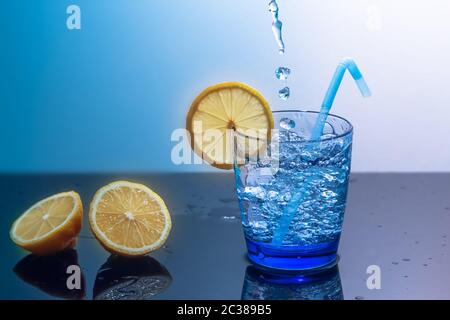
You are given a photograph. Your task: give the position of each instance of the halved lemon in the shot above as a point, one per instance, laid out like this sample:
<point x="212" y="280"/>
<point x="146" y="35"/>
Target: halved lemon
<point x="129" y="219"/>
<point x="51" y="225"/>
<point x="221" y="109"/>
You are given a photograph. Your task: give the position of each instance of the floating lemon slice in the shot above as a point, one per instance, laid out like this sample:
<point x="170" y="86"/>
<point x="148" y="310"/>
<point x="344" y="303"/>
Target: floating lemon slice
<point x="129" y="219"/>
<point x="51" y="225"/>
<point x="218" y="111"/>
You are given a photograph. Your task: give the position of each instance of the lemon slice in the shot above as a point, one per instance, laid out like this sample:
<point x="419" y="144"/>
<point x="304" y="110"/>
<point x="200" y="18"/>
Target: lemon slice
<point x="51" y="225"/>
<point x="129" y="219"/>
<point x="221" y="109"/>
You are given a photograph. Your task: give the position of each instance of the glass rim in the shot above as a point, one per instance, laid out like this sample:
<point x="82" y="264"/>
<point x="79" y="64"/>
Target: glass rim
<point x="347" y="132"/>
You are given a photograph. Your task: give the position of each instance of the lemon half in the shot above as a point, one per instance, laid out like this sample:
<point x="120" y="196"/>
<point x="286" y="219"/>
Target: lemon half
<point x="129" y="219"/>
<point x="51" y="225"/>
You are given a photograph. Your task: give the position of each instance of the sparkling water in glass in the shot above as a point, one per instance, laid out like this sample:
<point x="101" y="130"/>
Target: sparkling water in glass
<point x="292" y="195"/>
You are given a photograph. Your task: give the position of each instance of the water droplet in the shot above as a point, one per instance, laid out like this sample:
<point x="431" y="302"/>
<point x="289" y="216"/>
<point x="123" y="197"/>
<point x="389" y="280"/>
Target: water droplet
<point x="406" y="259"/>
<point x="282" y="73"/>
<point x="425" y="265"/>
<point x="395" y="263"/>
<point x="284" y="93"/>
<point x="359" y="298"/>
<point x="287" y="123"/>
<point x="229" y="218"/>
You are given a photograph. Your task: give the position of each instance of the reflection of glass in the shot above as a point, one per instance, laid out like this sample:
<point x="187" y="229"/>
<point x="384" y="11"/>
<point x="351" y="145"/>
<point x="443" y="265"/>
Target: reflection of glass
<point x="293" y="200"/>
<point x="266" y="285"/>
<point x="130" y="279"/>
<point x="49" y="274"/>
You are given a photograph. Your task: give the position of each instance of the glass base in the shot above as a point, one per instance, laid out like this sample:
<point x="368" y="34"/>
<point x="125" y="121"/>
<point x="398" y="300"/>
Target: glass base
<point x="292" y="258"/>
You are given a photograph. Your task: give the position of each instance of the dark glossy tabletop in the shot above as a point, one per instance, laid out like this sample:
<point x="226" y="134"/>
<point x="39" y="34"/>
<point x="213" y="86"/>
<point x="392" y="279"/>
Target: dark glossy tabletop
<point x="399" y="222"/>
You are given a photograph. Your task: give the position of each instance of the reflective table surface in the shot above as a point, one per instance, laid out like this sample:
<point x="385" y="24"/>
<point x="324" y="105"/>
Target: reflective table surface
<point x="395" y="222"/>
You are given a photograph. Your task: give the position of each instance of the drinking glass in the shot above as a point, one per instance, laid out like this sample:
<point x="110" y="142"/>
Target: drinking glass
<point x="292" y="192"/>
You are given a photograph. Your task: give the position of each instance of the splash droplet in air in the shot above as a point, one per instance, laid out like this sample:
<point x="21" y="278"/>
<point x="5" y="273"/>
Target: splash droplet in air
<point x="282" y="73"/>
<point x="277" y="25"/>
<point x="287" y="123"/>
<point x="284" y="93"/>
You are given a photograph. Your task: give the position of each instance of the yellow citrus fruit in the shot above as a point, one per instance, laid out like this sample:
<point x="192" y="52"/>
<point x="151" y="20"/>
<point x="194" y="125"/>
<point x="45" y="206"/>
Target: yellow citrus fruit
<point x="51" y="225"/>
<point x="129" y="219"/>
<point x="225" y="107"/>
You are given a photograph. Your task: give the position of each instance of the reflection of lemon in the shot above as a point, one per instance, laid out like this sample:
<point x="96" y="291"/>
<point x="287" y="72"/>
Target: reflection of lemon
<point x="229" y="105"/>
<point x="129" y="219"/>
<point x="121" y="278"/>
<point x="49" y="274"/>
<point x="51" y="225"/>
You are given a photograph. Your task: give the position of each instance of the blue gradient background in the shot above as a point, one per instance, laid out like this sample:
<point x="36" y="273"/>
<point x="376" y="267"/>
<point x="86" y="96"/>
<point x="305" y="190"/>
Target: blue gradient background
<point x="107" y="97"/>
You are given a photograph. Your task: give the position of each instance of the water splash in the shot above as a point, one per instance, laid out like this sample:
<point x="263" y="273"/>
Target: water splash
<point x="312" y="182"/>
<point x="277" y="25"/>
<point x="281" y="73"/>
